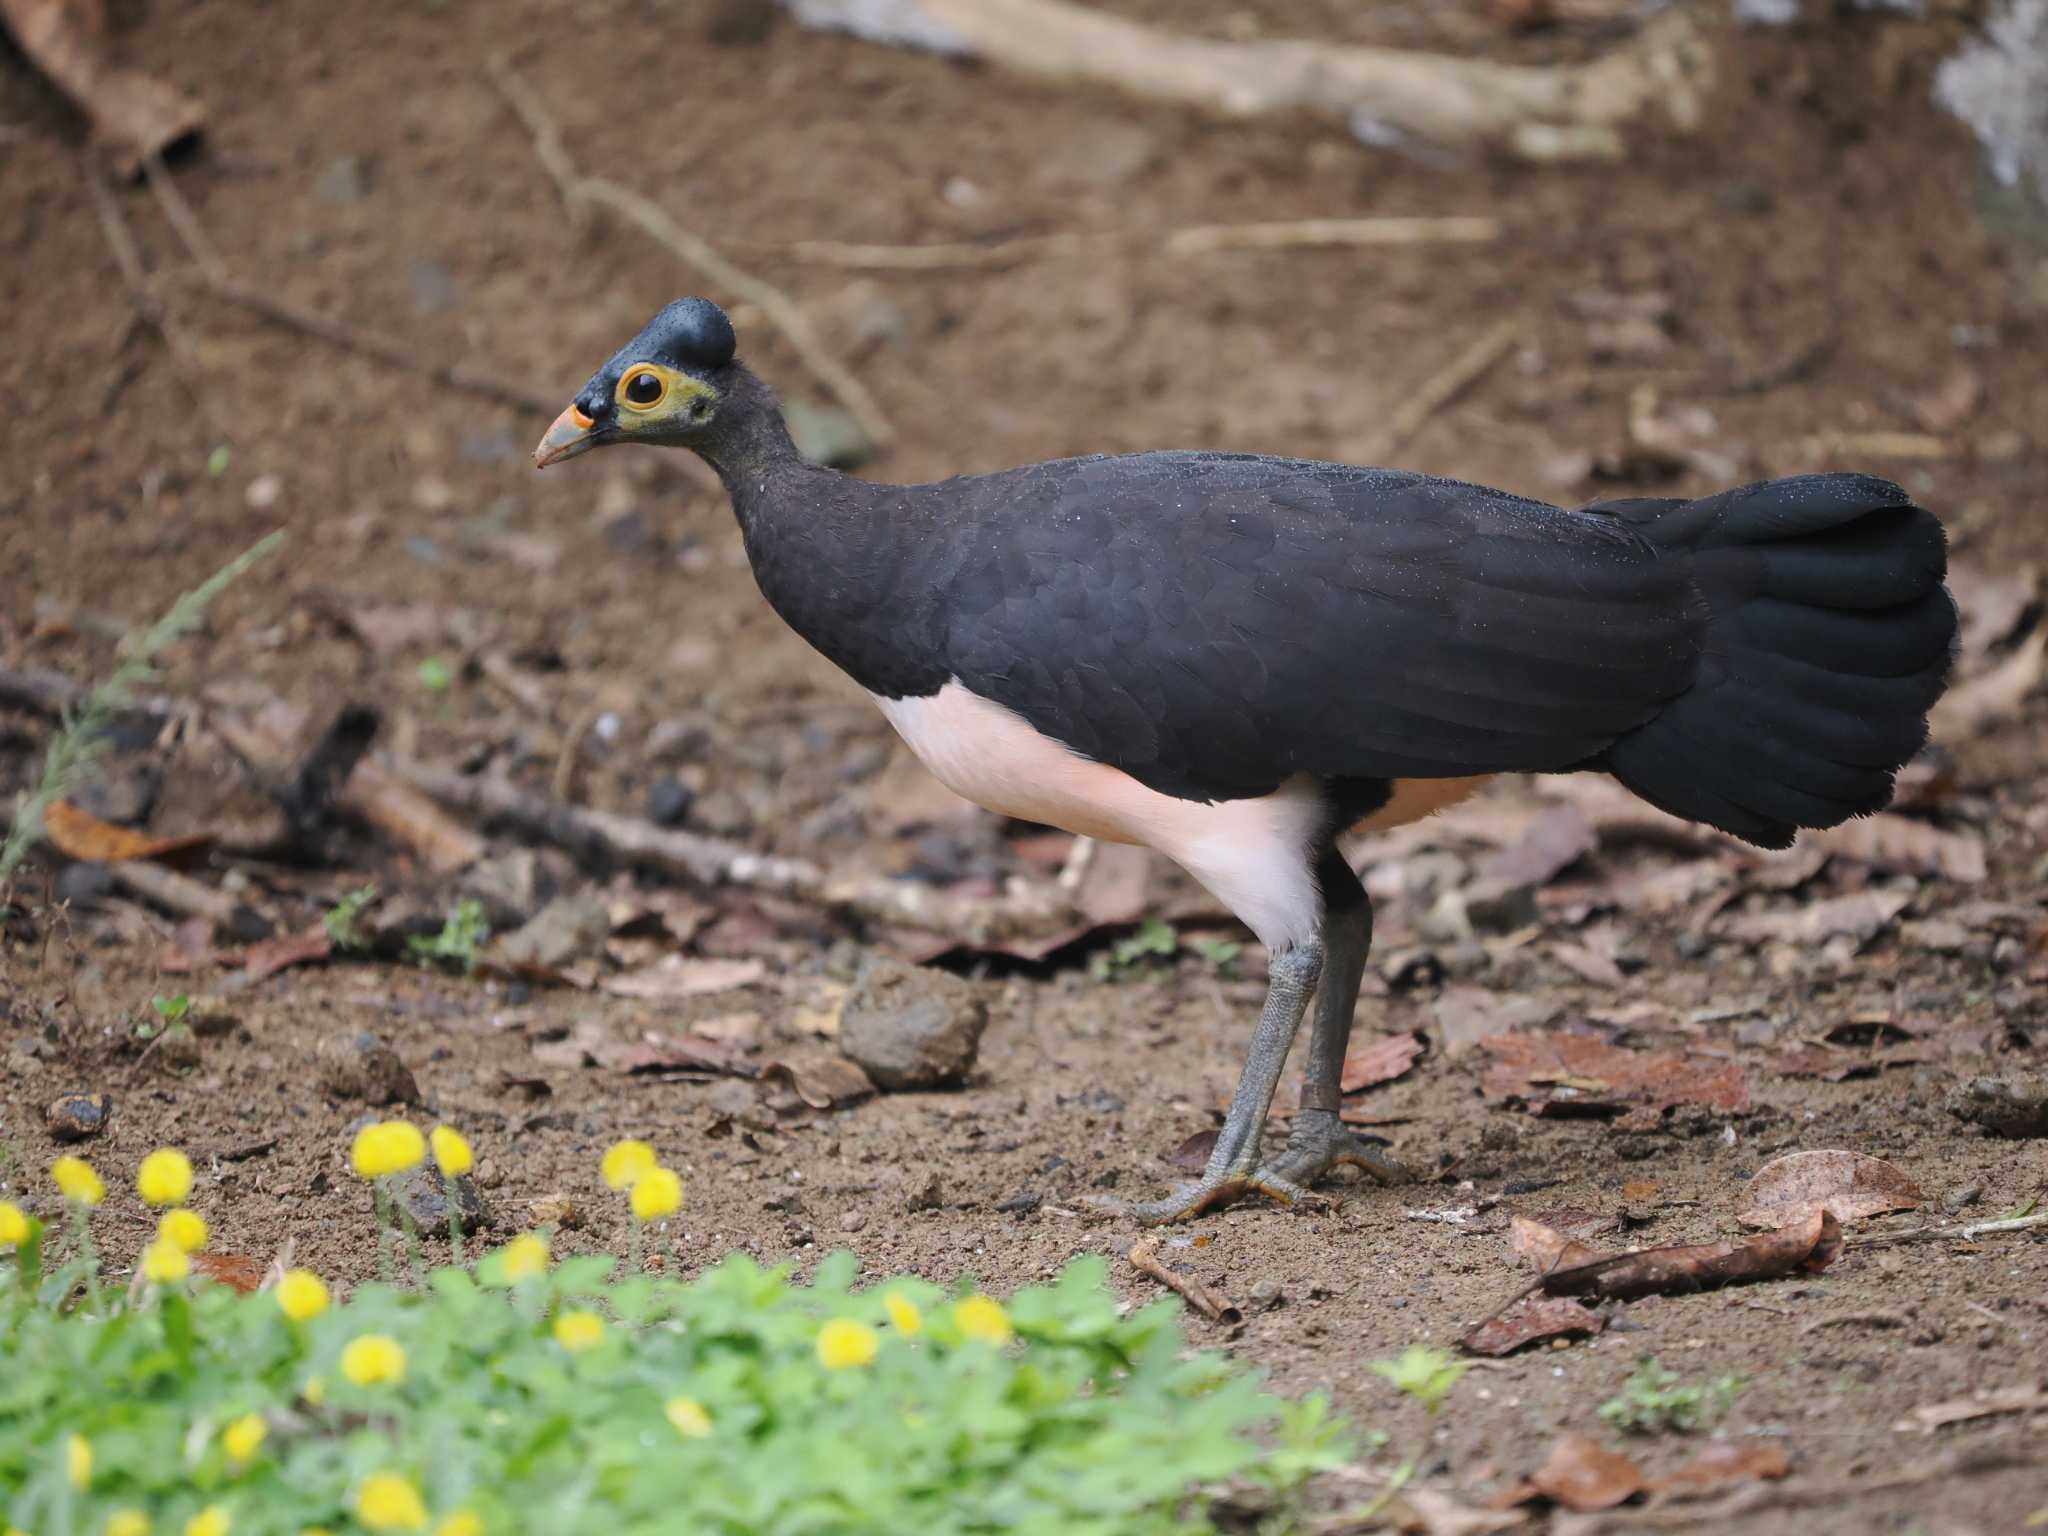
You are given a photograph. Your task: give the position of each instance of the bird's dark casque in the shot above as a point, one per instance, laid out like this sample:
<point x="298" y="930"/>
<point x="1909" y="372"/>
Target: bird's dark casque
<point x="1234" y="659"/>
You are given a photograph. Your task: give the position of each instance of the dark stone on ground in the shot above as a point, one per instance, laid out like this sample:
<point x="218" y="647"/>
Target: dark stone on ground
<point x="76" y="1116"/>
<point x="909" y="1027"/>
<point x="355" y="1064"/>
<point x="2015" y="1105"/>
<point x="426" y="1196"/>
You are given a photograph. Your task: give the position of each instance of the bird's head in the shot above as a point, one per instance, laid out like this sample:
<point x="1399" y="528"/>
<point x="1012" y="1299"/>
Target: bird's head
<point x="660" y="387"/>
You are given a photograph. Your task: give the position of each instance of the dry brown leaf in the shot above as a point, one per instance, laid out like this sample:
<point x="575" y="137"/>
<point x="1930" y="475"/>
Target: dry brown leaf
<point x="80" y="835"/>
<point x="386" y="629"/>
<point x="1532" y="1320"/>
<point x="1583" y="1475"/>
<point x="289" y="949"/>
<point x="1588" y="964"/>
<point x="133" y="115"/>
<point x="1426" y="1512"/>
<point x="1380" y="1059"/>
<point x="1577" y="1073"/>
<point x="1467" y="1015"/>
<point x="1545" y="1247"/>
<point x="234" y="1270"/>
<point x="1971" y="707"/>
<point x="1947" y="405"/>
<point x="1929" y="1417"/>
<point x="1193" y="1154"/>
<point x="1860" y="915"/>
<point x="678" y="976"/>
<point x="1722" y="1462"/>
<point x="1904" y="845"/>
<point x="820" y="1076"/>
<point x="1810" y="1245"/>
<point x="1558" y="838"/>
<point x="1851" y="1185"/>
<point x="688" y="1052"/>
<point x="1991" y="603"/>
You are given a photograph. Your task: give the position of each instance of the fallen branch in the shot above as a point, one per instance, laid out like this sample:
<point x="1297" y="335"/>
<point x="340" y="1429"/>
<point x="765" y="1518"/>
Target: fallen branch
<point x="182" y="896"/>
<point x="1535" y="112"/>
<point x="1964" y="1232"/>
<point x="580" y="191"/>
<point x="1442" y="387"/>
<point x="1208" y="1301"/>
<point x="607" y="838"/>
<point x="1196" y="240"/>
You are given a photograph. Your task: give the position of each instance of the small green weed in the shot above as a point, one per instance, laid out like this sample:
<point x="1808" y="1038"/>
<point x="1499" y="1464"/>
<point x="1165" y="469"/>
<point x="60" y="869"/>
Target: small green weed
<point x="435" y="676"/>
<point x="345" y="915"/>
<point x="1425" y="1374"/>
<point x="1653" y="1402"/>
<point x="172" y="1010"/>
<point x="83" y="735"/>
<point x="461" y="936"/>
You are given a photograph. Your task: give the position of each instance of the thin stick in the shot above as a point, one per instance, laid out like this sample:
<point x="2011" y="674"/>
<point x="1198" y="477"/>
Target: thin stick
<point x="779" y="309"/>
<point x="1963" y="1232"/>
<point x="148" y="309"/>
<point x="1444" y="386"/>
<point x="182" y="219"/>
<point x="1208" y="1301"/>
<point x="1196" y="240"/>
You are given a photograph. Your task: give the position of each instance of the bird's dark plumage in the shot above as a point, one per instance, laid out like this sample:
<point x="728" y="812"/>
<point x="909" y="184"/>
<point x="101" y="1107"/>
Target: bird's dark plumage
<point x="1232" y="657"/>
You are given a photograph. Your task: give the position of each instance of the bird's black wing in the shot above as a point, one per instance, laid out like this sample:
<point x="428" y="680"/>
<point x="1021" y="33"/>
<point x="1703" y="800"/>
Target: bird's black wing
<point x="1213" y="624"/>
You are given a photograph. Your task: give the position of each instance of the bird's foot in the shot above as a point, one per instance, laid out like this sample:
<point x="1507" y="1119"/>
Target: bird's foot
<point x="1206" y="1193"/>
<point x="1320" y="1142"/>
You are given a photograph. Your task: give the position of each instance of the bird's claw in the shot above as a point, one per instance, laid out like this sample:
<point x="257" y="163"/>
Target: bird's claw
<point x="1320" y="1142"/>
<point x="1207" y="1193"/>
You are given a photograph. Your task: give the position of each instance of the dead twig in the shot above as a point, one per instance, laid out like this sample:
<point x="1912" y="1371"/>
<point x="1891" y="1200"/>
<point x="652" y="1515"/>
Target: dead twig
<point x="606" y="838"/>
<point x="1196" y="240"/>
<point x="1958" y="1232"/>
<point x="780" y="310"/>
<point x="182" y="896"/>
<point x="1208" y="1301"/>
<point x="1444" y="386"/>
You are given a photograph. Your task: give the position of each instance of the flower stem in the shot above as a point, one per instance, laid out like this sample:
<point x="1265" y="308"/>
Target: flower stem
<point x="384" y="1264"/>
<point x="81" y="1230"/>
<point x="454" y="1224"/>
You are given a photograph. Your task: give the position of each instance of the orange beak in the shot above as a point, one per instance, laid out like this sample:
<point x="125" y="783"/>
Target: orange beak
<point x="570" y="435"/>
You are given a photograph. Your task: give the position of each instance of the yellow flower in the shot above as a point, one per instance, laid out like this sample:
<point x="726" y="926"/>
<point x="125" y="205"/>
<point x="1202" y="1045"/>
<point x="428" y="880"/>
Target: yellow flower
<point x="165" y="1177"/>
<point x="373" y="1358"/>
<point x="979" y="1317"/>
<point x="78" y="1462"/>
<point x="526" y="1256"/>
<point x="656" y="1193"/>
<point x="624" y="1162"/>
<point x="13" y="1225"/>
<point x="843" y="1343"/>
<point x="688" y="1417"/>
<point x="165" y="1263"/>
<point x="210" y="1521"/>
<point x="315" y="1390"/>
<point x="127" y="1522"/>
<point x="387" y="1501"/>
<point x="451" y="1152"/>
<point x="388" y="1147"/>
<point x="464" y="1522"/>
<point x="903" y="1314"/>
<point x="301" y="1294"/>
<point x="578" y="1331"/>
<point x="244" y="1438"/>
<point x="74" y="1176"/>
<point x="182" y="1229"/>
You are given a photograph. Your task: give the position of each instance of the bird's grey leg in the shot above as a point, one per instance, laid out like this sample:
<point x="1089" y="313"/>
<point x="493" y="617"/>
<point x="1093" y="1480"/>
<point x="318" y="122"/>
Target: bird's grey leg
<point x="1233" y="1168"/>
<point x="1320" y="1141"/>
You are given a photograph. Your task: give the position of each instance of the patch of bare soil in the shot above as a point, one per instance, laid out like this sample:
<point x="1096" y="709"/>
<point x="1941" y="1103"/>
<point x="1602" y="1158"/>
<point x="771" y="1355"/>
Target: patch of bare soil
<point x="1625" y="1022"/>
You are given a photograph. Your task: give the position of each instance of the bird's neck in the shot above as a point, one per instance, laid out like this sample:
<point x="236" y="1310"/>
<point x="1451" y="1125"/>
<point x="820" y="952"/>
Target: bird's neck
<point x="749" y="444"/>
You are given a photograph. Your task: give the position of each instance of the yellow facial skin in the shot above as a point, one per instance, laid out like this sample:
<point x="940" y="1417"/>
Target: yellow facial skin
<point x="683" y="401"/>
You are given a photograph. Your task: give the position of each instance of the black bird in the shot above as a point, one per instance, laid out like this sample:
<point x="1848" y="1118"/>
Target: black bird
<point x="1234" y="659"/>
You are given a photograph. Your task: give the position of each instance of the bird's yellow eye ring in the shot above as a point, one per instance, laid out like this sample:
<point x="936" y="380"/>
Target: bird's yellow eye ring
<point x="642" y="389"/>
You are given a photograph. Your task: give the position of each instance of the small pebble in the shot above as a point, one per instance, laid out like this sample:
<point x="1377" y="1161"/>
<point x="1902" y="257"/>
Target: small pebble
<point x="852" y="1221"/>
<point x="76" y="1116"/>
<point x="263" y="492"/>
<point x="425" y="1196"/>
<point x="355" y="1064"/>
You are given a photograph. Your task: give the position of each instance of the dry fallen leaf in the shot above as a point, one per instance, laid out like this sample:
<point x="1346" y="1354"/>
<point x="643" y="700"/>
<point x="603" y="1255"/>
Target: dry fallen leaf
<point x="1991" y="603"/>
<point x="1531" y="1320"/>
<point x="83" y="836"/>
<point x="1556" y="839"/>
<point x="1860" y="915"/>
<point x="234" y="1270"/>
<point x="289" y="949"/>
<point x="678" y="976"/>
<point x="689" y="1052"/>
<point x="1905" y="845"/>
<point x="1721" y="1462"/>
<point x="821" y="1077"/>
<point x="1850" y="1185"/>
<point x="1969" y="708"/>
<point x="133" y="115"/>
<point x="1579" y="1074"/>
<point x="1380" y="1059"/>
<point x="1567" y="1267"/>
<point x="1193" y="1154"/>
<point x="1425" y="1512"/>
<point x="1583" y="1475"/>
<point x="1467" y="1015"/>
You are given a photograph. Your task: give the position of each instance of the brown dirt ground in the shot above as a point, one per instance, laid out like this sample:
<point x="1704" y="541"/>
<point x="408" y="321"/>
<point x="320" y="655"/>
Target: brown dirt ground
<point x="1827" y="214"/>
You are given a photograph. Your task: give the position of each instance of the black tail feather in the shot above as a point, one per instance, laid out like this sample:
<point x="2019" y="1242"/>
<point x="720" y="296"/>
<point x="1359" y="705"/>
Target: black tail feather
<point x="1829" y="637"/>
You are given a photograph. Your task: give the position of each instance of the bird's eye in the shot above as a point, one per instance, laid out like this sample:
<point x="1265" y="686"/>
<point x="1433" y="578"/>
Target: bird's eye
<point x="643" y="389"/>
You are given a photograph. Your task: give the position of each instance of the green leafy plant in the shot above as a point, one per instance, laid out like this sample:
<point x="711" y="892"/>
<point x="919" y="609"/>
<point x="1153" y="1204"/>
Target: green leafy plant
<point x="172" y="1010"/>
<point x="1423" y="1373"/>
<point x="343" y="917"/>
<point x="435" y="676"/>
<point x="461" y="936"/>
<point x="83" y="734"/>
<point x="1154" y="940"/>
<point x="1219" y="955"/>
<point x="569" y="1401"/>
<point x="1654" y="1401"/>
